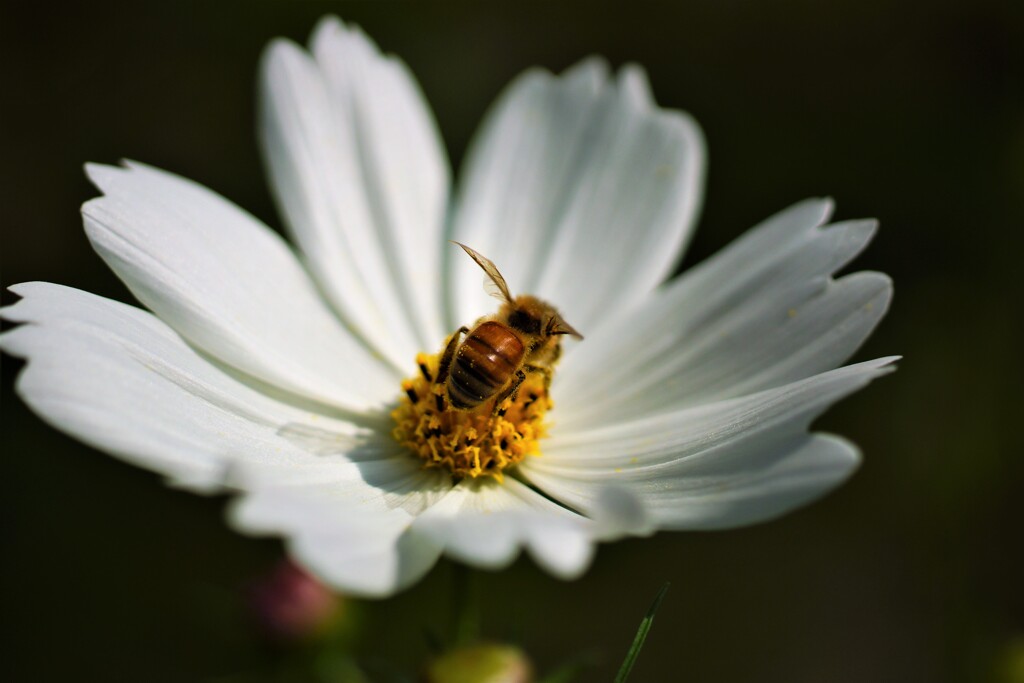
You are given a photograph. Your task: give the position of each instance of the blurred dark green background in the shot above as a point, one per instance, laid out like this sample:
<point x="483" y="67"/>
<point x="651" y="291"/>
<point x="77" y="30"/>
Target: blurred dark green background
<point x="911" y="112"/>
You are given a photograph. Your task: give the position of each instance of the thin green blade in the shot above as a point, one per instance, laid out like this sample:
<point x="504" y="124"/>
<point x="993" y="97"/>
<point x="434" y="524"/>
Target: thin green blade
<point x="641" y="636"/>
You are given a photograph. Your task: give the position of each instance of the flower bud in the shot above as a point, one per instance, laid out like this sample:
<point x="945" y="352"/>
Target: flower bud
<point x="289" y="604"/>
<point x="480" y="663"/>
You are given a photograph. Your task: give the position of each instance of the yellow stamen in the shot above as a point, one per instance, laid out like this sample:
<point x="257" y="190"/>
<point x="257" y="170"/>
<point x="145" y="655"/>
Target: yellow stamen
<point x="469" y="443"/>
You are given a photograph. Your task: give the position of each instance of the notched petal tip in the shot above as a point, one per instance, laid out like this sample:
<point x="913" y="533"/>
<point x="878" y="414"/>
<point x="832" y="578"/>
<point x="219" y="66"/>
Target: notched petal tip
<point x="20" y="288"/>
<point x="592" y="72"/>
<point x="859" y="226"/>
<point x="277" y="50"/>
<point x="105" y="176"/>
<point x="20" y="310"/>
<point x="328" y="22"/>
<point x="633" y="82"/>
<point x="804" y="215"/>
<point x="333" y="27"/>
<point x="101" y="176"/>
<point x="333" y="33"/>
<point x="813" y="212"/>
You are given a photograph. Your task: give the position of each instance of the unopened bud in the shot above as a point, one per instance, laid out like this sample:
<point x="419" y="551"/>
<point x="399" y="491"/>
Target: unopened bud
<point x="289" y="604"/>
<point x="481" y="663"/>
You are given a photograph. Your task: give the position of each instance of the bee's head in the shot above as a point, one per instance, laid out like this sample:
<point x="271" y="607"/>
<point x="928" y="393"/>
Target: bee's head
<point x="532" y="316"/>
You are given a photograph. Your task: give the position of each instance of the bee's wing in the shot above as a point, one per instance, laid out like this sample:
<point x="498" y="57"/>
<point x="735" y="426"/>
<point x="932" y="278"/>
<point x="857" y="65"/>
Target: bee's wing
<point x="494" y="283"/>
<point x="496" y="290"/>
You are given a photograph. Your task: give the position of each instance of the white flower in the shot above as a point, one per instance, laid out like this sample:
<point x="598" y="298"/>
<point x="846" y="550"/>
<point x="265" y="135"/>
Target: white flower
<point x="686" y="407"/>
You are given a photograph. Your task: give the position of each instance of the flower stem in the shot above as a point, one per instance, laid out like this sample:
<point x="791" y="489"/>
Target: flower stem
<point x="465" y="605"/>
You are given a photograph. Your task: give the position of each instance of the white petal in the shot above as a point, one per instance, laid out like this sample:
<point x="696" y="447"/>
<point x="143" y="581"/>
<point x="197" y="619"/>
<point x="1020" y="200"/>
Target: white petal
<point x="723" y="464"/>
<point x="362" y="552"/>
<point x="229" y="285"/>
<point x="580" y="190"/>
<point x="618" y="512"/>
<point x="120" y="380"/>
<point x="762" y="313"/>
<point x="634" y="85"/>
<point x="485" y="524"/>
<point x="358" y="169"/>
<point x="812" y="466"/>
<point x="373" y="477"/>
<point x="356" y="539"/>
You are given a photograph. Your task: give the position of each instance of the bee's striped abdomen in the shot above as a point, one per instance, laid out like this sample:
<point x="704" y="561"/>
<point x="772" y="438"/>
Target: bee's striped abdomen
<point x="484" y="363"/>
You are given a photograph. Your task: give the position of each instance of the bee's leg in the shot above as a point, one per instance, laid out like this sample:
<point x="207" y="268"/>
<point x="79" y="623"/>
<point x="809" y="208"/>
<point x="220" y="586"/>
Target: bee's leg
<point x="513" y="391"/>
<point x="445" y="366"/>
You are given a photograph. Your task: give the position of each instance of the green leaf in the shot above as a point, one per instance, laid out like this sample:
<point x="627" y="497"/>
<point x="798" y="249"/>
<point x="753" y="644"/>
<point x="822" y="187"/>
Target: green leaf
<point x="641" y="636"/>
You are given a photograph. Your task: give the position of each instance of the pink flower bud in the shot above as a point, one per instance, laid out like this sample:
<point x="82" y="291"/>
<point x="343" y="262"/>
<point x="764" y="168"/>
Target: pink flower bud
<point x="289" y="604"/>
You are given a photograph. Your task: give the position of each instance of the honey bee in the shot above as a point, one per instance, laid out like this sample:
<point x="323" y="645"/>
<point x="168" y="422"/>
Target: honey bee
<point x="492" y="361"/>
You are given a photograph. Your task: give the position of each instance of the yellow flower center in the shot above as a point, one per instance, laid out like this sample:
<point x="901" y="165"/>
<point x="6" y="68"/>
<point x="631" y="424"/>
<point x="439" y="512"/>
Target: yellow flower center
<point x="469" y="443"/>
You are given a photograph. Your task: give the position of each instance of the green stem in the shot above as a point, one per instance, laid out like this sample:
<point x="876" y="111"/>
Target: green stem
<point x="641" y="636"/>
<point x="465" y="605"/>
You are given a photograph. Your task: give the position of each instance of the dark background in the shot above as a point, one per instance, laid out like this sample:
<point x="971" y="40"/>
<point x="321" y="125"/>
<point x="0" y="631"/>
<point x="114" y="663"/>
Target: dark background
<point x="911" y="112"/>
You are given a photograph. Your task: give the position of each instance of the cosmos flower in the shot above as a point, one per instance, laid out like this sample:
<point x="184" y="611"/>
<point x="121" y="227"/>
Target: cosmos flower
<point x="305" y="383"/>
